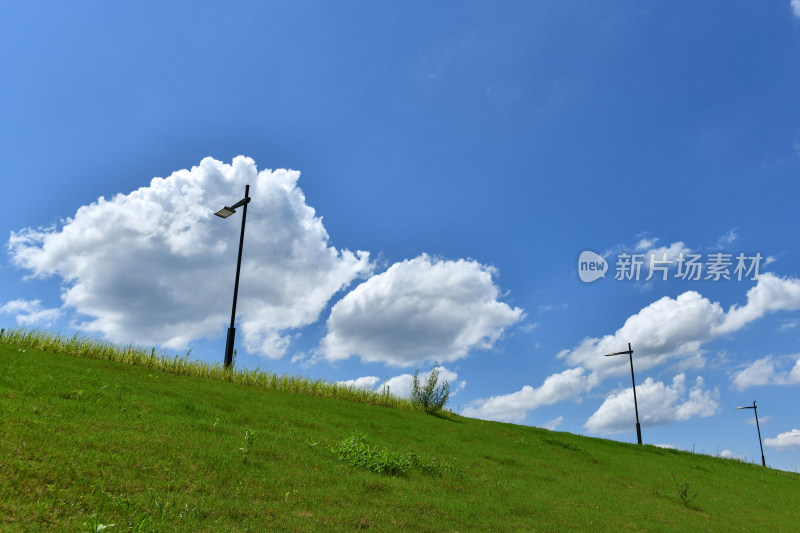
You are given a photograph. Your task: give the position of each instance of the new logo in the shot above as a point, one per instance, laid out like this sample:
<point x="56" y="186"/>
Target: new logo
<point x="591" y="266"/>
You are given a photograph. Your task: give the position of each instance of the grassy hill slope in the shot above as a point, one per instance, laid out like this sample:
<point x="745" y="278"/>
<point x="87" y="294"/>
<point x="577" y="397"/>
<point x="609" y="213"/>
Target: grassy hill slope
<point x="87" y="442"/>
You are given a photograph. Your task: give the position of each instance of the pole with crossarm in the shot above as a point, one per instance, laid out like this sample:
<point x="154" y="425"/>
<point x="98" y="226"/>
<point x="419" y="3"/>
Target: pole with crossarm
<point x="629" y="351"/>
<point x="225" y="212"/>
<point x="755" y="409"/>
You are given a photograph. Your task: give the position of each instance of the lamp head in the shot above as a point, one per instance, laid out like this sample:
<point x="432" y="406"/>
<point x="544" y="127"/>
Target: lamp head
<point x="225" y="212"/>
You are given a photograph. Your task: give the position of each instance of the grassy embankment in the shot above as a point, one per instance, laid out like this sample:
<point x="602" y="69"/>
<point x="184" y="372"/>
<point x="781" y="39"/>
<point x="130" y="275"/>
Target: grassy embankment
<point x="168" y="444"/>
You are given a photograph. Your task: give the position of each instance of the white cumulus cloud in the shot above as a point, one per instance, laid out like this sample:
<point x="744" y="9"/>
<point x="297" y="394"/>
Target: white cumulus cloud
<point x="419" y="309"/>
<point x="784" y="441"/>
<point x="648" y="248"/>
<point x="796" y="8"/>
<point x="762" y="372"/>
<point x="727" y="454"/>
<point x="514" y="407"/>
<point x="554" y="423"/>
<point x="30" y="312"/>
<point x="674" y="329"/>
<point x="659" y="404"/>
<point x="667" y="329"/>
<point x="155" y="266"/>
<point x="771" y="293"/>
<point x="366" y="382"/>
<point x="656" y="260"/>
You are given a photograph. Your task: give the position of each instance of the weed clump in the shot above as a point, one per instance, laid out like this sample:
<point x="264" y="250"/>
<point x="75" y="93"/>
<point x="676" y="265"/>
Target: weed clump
<point x="249" y="437"/>
<point x="566" y="445"/>
<point x="683" y="491"/>
<point x="358" y="452"/>
<point x="430" y="397"/>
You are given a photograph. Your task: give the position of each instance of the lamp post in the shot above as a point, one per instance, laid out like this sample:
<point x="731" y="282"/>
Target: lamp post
<point x="225" y="212"/>
<point x="755" y="410"/>
<point x="629" y="351"/>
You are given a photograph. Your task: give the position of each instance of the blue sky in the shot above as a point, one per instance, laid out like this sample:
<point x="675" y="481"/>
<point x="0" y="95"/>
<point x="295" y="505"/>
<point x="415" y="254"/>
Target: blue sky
<point x="424" y="178"/>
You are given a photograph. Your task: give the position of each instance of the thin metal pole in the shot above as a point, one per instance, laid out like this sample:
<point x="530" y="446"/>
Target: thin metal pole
<point x="232" y="329"/>
<point x="755" y="409"/>
<point x="635" y="403"/>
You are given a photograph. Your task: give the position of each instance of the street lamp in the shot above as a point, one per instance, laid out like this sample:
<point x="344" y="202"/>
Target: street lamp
<point x="629" y="351"/>
<point x="225" y="212"/>
<point x="755" y="410"/>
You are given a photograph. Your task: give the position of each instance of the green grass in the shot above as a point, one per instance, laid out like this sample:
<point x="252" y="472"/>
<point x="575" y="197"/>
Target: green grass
<point x="83" y="346"/>
<point x="88" y="441"/>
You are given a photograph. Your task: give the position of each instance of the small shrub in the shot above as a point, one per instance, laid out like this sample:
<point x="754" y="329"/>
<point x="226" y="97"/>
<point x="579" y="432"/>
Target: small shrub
<point x="430" y="397"/>
<point x="683" y="491"/>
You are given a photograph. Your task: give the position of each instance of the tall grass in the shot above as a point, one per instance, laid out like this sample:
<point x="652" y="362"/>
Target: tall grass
<point x="79" y="345"/>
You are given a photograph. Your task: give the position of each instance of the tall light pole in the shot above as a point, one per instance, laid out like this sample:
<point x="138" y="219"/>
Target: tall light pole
<point x="755" y="410"/>
<point x="225" y="212"/>
<point x="629" y="351"/>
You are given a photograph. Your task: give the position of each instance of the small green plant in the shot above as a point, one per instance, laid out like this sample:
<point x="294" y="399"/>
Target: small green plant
<point x="560" y="444"/>
<point x="142" y="522"/>
<point x="358" y="452"/>
<point x="431" y="469"/>
<point x="249" y="437"/>
<point x="94" y="525"/>
<point x="384" y="391"/>
<point x="430" y="397"/>
<point x="683" y="491"/>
